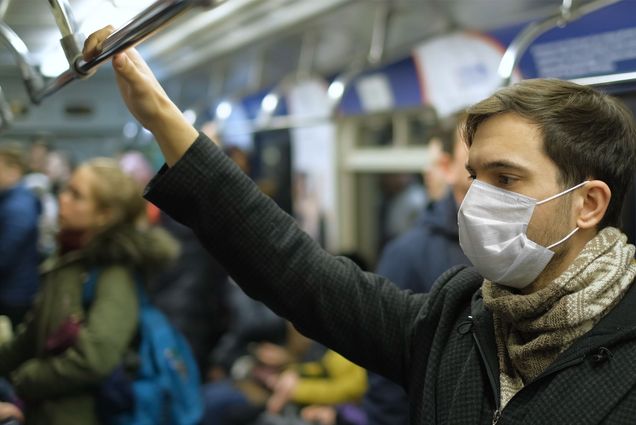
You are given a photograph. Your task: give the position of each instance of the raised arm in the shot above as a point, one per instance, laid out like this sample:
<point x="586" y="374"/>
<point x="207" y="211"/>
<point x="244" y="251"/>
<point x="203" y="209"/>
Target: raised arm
<point x="360" y="315"/>
<point x="146" y="99"/>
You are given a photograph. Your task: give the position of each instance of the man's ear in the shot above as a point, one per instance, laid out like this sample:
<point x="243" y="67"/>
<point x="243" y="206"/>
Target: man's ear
<point x="594" y="200"/>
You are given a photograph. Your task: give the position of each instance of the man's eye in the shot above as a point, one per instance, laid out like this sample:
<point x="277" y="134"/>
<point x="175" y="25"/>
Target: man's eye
<point x="505" y="180"/>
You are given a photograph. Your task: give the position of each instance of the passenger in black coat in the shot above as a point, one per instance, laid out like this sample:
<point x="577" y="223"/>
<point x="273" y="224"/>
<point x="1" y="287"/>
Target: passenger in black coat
<point x="440" y="346"/>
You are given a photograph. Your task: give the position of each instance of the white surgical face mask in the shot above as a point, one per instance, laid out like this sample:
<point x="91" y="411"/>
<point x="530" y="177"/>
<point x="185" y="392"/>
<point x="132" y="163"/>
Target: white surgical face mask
<point x="492" y="233"/>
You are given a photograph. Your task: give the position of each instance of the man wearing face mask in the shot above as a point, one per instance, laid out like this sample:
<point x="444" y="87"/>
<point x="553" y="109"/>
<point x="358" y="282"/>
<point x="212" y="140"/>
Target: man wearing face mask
<point x="541" y="331"/>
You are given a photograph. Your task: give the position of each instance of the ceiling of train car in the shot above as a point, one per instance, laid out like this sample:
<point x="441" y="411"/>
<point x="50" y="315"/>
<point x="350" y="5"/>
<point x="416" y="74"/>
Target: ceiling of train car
<point x="249" y="44"/>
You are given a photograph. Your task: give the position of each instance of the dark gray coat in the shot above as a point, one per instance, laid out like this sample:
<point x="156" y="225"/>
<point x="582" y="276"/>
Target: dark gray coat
<point x="439" y="346"/>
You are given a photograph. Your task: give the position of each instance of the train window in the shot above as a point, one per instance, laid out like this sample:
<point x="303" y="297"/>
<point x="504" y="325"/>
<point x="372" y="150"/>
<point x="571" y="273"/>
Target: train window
<point x="375" y="130"/>
<point x="380" y="179"/>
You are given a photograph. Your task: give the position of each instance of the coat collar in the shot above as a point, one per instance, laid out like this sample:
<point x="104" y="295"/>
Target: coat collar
<point x="618" y="325"/>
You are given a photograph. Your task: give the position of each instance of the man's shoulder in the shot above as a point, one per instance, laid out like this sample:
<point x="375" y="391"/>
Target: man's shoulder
<point x="457" y="284"/>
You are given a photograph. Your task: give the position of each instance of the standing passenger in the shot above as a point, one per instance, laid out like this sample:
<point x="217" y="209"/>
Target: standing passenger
<point x="416" y="259"/>
<point x="542" y="330"/>
<point x="19" y="218"/>
<point x="65" y="349"/>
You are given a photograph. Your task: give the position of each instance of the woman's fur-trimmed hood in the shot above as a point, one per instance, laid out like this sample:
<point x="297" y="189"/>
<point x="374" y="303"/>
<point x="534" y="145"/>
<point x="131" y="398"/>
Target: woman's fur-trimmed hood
<point x="148" y="250"/>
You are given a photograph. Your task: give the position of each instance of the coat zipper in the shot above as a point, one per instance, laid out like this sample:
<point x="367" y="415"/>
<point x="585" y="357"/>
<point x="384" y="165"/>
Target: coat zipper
<point x="496" y="416"/>
<point x="493" y="381"/>
<point x="491" y="376"/>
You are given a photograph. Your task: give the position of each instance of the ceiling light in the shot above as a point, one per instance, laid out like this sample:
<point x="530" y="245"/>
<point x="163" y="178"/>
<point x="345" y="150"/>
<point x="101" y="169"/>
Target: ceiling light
<point x="224" y="110"/>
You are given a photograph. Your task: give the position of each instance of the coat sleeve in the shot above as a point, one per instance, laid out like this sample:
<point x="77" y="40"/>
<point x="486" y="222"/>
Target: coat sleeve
<point x="360" y="315"/>
<point x="108" y="330"/>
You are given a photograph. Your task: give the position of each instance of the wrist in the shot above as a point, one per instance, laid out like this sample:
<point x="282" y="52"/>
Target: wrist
<point x="173" y="132"/>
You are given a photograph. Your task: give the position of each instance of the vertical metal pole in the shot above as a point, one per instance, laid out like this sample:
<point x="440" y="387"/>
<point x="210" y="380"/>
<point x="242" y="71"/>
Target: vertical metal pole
<point x="72" y="40"/>
<point x="31" y="76"/>
<point x="4" y="6"/>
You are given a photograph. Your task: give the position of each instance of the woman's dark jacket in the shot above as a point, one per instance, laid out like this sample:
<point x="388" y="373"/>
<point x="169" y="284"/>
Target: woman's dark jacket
<point x="439" y="346"/>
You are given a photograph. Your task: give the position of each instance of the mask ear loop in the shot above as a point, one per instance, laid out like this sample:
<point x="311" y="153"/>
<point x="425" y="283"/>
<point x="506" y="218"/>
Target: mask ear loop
<point x="563" y="193"/>
<point x="556" y="196"/>
<point x="564" y="239"/>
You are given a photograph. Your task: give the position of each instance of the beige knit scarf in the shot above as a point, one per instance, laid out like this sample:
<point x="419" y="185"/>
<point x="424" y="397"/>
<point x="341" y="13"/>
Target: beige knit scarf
<point x="531" y="330"/>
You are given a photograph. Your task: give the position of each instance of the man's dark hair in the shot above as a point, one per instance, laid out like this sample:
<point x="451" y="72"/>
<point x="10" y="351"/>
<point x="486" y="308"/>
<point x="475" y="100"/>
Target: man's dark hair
<point x="588" y="134"/>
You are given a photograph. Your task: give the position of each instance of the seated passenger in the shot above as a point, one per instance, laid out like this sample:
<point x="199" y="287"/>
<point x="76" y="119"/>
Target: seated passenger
<point x="248" y="361"/>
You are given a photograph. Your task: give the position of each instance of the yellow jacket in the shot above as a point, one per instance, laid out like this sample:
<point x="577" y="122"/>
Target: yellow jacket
<point x="332" y="380"/>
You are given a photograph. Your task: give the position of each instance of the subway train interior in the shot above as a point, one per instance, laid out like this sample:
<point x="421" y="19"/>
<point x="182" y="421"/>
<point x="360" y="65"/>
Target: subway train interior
<point x="334" y="108"/>
<point x="332" y="99"/>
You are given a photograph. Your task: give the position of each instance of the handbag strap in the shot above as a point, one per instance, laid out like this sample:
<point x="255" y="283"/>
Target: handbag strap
<point x="90" y="287"/>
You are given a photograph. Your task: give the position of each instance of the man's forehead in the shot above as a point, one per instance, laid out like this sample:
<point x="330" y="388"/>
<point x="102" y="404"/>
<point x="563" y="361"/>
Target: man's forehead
<point x="507" y="137"/>
<point x="511" y="155"/>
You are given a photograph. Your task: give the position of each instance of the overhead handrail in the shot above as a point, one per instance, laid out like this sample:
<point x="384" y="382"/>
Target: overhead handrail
<point x="266" y="120"/>
<point x="604" y="80"/>
<point x="303" y="70"/>
<point x="134" y="32"/>
<point x="522" y="41"/>
<point x="339" y="85"/>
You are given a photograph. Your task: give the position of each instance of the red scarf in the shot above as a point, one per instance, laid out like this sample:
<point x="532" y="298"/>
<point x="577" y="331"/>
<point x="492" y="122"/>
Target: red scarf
<point x="71" y="240"/>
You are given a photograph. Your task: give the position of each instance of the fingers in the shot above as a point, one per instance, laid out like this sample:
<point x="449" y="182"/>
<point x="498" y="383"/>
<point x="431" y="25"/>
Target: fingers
<point x="126" y="68"/>
<point x="131" y="70"/>
<point x="93" y="44"/>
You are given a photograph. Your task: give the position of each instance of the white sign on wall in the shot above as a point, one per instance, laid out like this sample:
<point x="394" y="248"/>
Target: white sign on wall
<point x="313" y="164"/>
<point x="375" y="93"/>
<point x="457" y="70"/>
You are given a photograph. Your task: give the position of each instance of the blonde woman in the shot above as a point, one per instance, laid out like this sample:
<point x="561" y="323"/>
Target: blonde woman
<point x="62" y="352"/>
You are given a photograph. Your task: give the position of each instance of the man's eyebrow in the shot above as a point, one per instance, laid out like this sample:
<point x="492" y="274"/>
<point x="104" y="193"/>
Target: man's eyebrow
<point x="499" y="164"/>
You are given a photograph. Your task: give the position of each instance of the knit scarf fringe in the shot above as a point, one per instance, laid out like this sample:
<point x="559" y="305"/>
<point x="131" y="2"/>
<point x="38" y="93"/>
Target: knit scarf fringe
<point x="532" y="330"/>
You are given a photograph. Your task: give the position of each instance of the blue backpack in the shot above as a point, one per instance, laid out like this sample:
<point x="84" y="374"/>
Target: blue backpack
<point x="165" y="389"/>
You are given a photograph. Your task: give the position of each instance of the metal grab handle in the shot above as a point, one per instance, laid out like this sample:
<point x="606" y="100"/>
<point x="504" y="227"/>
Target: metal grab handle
<point x="374" y="57"/>
<point x="134" y="32"/>
<point x="518" y="46"/>
<point x="64" y="17"/>
<point x="6" y="114"/>
<point x="72" y="40"/>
